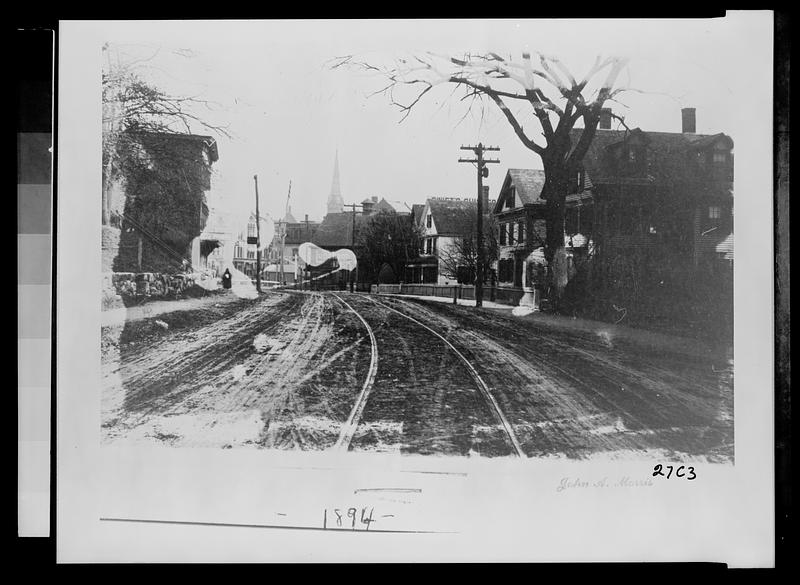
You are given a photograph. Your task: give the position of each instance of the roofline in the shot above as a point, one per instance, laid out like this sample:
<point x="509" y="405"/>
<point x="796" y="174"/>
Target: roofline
<point x="209" y="141"/>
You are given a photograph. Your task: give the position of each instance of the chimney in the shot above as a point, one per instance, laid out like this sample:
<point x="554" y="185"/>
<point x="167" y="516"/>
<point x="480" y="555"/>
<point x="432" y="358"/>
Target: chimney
<point x="605" y="119"/>
<point x="688" y="118"/>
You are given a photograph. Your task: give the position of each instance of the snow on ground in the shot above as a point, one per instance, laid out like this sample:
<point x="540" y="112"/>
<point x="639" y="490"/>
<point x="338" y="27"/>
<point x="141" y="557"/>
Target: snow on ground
<point x="242" y="286"/>
<point x="383" y="436"/>
<point x="238" y="372"/>
<point x="200" y="429"/>
<point x="261" y="343"/>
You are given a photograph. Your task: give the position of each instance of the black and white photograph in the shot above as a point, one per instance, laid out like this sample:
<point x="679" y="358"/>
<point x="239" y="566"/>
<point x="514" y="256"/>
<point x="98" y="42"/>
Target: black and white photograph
<point x="437" y="243"/>
<point x="365" y="291"/>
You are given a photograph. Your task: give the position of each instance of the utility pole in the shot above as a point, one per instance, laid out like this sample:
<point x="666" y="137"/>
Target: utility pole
<point x="353" y="241"/>
<point x="482" y="172"/>
<point x="281" y="235"/>
<point x="258" y="240"/>
<point x="283" y="231"/>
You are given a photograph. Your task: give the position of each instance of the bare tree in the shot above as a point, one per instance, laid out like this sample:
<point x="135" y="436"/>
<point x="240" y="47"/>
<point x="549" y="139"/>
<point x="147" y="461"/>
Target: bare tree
<point x="386" y="238"/>
<point x="459" y="260"/>
<point x="554" y="100"/>
<point x="133" y="107"/>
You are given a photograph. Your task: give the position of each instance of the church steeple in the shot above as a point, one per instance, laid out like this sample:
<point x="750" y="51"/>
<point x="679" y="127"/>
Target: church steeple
<point x="335" y="201"/>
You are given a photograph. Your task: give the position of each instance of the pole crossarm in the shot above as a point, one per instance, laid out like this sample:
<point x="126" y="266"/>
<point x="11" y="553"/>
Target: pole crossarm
<point x="480" y="163"/>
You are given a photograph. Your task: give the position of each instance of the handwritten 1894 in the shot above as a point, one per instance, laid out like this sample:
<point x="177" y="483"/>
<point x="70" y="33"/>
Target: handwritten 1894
<point x="347" y="518"/>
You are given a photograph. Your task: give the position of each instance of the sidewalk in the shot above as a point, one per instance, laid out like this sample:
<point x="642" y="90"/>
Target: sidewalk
<point x="449" y="300"/>
<point x="155" y="308"/>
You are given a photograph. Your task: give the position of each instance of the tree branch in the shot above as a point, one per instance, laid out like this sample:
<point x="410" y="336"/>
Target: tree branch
<point x="516" y="126"/>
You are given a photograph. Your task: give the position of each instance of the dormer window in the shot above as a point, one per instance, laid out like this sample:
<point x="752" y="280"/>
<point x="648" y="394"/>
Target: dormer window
<point x="720" y="154"/>
<point x="429" y="221"/>
<point x="510" y="197"/>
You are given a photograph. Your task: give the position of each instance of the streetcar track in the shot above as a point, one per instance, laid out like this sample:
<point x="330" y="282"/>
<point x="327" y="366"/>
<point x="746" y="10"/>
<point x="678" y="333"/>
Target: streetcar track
<point x="349" y="428"/>
<point x="482" y="386"/>
<point x="550" y="363"/>
<point x="549" y="367"/>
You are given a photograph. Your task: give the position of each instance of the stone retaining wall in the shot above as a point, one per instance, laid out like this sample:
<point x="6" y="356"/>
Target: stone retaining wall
<point x="133" y="285"/>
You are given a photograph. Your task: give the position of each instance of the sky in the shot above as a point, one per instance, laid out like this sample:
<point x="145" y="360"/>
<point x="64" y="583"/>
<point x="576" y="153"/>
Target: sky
<point x="289" y="113"/>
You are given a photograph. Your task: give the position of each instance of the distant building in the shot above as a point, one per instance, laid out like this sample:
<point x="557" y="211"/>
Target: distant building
<point x="337" y="230"/>
<point x="335" y="201"/>
<point x="443" y="222"/>
<point x="289" y="235"/>
<point x="244" y="255"/>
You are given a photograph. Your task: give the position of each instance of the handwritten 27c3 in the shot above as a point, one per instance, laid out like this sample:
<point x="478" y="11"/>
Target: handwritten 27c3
<point x="341" y="518"/>
<point x="679" y="472"/>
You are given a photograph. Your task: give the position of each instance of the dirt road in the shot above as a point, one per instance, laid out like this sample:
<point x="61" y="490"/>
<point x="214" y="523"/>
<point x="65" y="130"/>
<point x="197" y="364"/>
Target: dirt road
<point x="350" y="371"/>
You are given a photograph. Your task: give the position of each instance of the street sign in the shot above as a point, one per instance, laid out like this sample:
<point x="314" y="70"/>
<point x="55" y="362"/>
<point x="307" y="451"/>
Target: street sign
<point x="252" y="240"/>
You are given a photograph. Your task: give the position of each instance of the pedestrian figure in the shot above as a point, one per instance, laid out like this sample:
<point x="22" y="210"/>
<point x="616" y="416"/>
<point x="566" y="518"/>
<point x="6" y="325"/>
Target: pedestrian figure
<point x="226" y="279"/>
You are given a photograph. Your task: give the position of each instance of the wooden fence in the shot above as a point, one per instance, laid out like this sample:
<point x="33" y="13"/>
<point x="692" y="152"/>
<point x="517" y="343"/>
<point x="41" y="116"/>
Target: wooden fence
<point x="507" y="296"/>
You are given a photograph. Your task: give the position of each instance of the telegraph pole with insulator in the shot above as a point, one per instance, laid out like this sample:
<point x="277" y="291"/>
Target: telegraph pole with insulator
<point x="353" y="241"/>
<point x="258" y="240"/>
<point x="482" y="173"/>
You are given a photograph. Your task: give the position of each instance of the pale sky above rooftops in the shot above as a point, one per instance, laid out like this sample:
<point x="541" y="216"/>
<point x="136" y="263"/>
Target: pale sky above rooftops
<point x="289" y="113"/>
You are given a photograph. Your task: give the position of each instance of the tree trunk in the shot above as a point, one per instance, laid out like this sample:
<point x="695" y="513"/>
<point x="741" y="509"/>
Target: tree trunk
<point x="554" y="193"/>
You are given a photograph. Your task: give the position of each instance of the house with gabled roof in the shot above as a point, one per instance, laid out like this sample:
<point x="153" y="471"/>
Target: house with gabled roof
<point x="667" y="194"/>
<point x="443" y="221"/>
<point x="665" y="198"/>
<point x="520" y="214"/>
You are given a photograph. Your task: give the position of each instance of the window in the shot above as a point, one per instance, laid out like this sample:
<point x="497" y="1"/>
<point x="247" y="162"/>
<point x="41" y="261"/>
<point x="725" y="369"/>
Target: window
<point x="502" y="234"/>
<point x="720" y="154"/>
<point x="510" y="197"/>
<point x="714" y="212"/>
<point x="521" y="232"/>
<point x="428" y="245"/>
<point x="434" y="244"/>
<point x="505" y="270"/>
<point x="510" y="234"/>
<point x="251" y="254"/>
<point x="571" y="221"/>
<point x="429" y="222"/>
